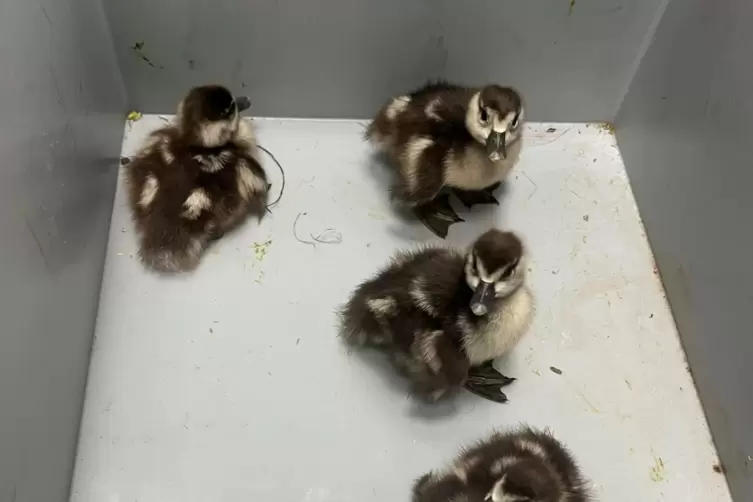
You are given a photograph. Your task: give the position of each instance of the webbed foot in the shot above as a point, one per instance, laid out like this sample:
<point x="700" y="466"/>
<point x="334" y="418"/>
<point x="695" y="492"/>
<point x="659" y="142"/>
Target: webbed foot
<point x="485" y="381"/>
<point x="469" y="198"/>
<point x="438" y="215"/>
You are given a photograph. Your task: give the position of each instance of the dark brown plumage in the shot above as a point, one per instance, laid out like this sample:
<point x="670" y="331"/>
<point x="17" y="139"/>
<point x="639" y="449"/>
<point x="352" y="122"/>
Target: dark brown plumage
<point x="447" y="136"/>
<point x="195" y="180"/>
<point x="422" y="310"/>
<point x="523" y="465"/>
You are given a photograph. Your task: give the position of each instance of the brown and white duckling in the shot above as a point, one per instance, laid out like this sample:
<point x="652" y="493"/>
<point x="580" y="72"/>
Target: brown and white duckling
<point x="196" y="179"/>
<point x="523" y="465"/>
<point x="447" y="136"/>
<point x="444" y="316"/>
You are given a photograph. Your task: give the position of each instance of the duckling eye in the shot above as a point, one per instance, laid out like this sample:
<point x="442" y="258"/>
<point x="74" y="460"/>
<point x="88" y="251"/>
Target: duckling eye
<point x="483" y="115"/>
<point x="510" y="270"/>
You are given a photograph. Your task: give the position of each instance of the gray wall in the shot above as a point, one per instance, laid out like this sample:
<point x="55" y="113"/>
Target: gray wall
<point x="61" y="124"/>
<point x="343" y="58"/>
<point x="685" y="131"/>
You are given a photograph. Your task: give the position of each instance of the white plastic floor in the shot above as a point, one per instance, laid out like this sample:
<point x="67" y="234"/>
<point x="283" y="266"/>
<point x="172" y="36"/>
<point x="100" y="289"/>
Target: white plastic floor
<point x="230" y="384"/>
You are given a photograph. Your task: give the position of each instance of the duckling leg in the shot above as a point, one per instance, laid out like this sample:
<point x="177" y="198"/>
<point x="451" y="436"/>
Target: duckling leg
<point x="438" y="215"/>
<point x="469" y="198"/>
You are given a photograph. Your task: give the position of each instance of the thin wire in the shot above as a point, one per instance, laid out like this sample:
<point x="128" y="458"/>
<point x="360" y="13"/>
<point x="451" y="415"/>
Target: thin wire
<point x="282" y="171"/>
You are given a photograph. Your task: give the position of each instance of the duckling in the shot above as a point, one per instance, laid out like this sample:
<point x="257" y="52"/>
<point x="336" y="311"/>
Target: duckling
<point x="195" y="180"/>
<point x="447" y="136"/>
<point x="443" y="316"/>
<point x="523" y="465"/>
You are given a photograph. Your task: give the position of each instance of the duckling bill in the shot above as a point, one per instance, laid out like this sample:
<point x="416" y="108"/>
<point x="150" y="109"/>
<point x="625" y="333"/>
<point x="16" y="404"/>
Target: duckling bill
<point x="445" y="137"/>
<point x="522" y="465"/>
<point x="195" y="180"/>
<point x="443" y="316"/>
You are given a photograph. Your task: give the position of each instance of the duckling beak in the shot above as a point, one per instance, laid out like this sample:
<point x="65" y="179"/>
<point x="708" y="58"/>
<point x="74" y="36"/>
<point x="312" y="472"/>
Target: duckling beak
<point x="496" y="146"/>
<point x="482" y="298"/>
<point x="243" y="103"/>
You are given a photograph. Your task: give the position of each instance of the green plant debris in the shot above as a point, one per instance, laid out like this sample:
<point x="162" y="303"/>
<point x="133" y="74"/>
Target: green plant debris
<point x="572" y="6"/>
<point x="607" y="128"/>
<point x="138" y="48"/>
<point x="134" y="116"/>
<point x="658" y="471"/>
<point x="555" y="370"/>
<point x="629" y="385"/>
<point x="260" y="249"/>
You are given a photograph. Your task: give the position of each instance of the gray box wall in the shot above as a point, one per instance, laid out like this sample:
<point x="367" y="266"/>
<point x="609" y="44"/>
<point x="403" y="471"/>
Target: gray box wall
<point x="343" y="58"/>
<point x="61" y="124"/>
<point x="61" y="111"/>
<point x="685" y="132"/>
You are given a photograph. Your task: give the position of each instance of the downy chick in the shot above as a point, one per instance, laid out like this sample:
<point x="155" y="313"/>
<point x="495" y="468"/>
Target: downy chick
<point x="448" y="136"/>
<point x="443" y="316"/>
<point x="195" y="180"/>
<point x="522" y="465"/>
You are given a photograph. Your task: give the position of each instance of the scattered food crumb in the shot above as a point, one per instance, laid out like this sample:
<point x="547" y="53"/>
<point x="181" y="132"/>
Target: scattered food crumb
<point x="585" y="217"/>
<point x="651" y="316"/>
<point x="211" y="330"/>
<point x="656" y="269"/>
<point x="134" y="116"/>
<point x="555" y="370"/>
<point x="719" y="468"/>
<point x="555" y="271"/>
<point x="551" y="130"/>
<point x="298" y="341"/>
<point x="584" y="239"/>
<point x="260" y="249"/>
<point x="258" y="280"/>
<point x="538" y="373"/>
<point x="630" y="386"/>
<point x="269" y="373"/>
<point x="124" y="161"/>
<point x="658" y="471"/>
<point x="607" y="128"/>
<point x="216" y="322"/>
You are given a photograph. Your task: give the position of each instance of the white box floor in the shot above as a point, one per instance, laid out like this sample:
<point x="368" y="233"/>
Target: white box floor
<point x="230" y="383"/>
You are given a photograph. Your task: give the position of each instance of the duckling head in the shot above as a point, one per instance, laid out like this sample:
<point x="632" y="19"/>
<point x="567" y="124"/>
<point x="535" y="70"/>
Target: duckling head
<point x="493" y="268"/>
<point x="525" y="481"/>
<point x="209" y="115"/>
<point x="495" y="119"/>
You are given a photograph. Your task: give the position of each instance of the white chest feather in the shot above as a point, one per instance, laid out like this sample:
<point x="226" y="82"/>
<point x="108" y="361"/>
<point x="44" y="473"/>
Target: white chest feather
<point x="505" y="328"/>
<point x="471" y="169"/>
